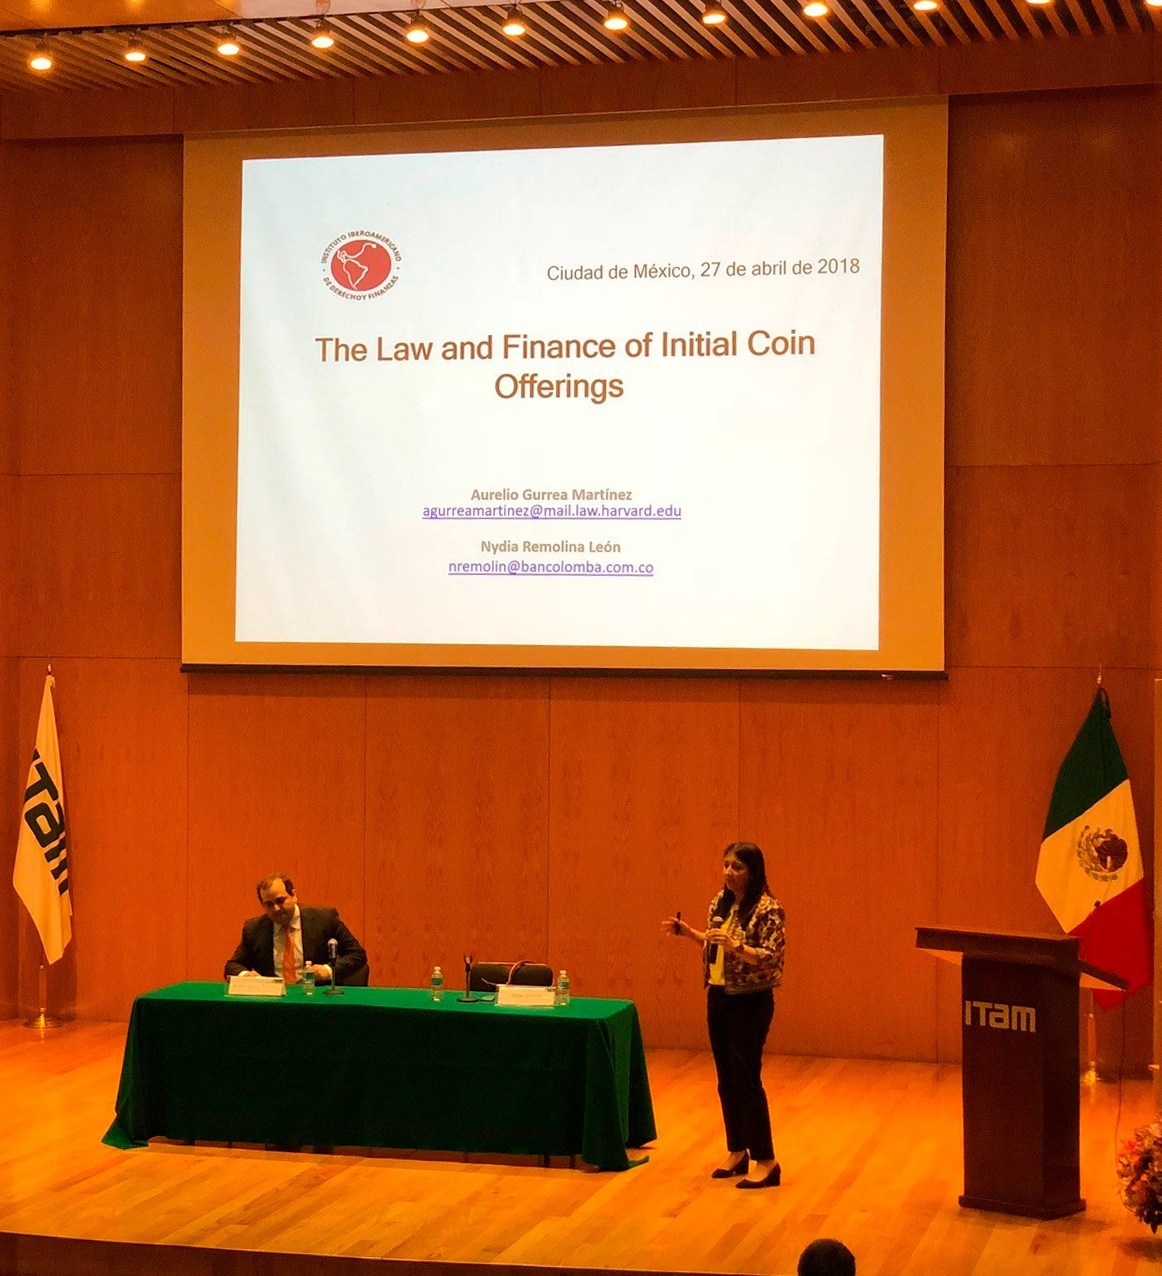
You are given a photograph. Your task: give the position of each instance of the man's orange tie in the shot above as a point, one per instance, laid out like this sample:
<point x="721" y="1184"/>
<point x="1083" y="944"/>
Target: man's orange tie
<point x="290" y="973"/>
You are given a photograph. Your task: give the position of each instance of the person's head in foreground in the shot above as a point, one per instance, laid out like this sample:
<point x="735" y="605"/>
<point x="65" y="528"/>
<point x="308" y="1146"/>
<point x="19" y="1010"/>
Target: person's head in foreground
<point x="826" y="1258"/>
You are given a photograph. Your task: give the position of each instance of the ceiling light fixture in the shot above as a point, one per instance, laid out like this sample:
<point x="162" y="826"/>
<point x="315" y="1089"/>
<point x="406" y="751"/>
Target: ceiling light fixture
<point x="40" y="59"/>
<point x="816" y="9"/>
<point x="924" y="6"/>
<point x="135" y="52"/>
<point x="228" y="46"/>
<point x="713" y="14"/>
<point x="322" y="37"/>
<point x="615" y="19"/>
<point x="514" y="26"/>
<point x="417" y="32"/>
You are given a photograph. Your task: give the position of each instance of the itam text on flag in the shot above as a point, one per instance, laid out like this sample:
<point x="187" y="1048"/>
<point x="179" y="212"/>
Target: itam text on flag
<point x="41" y="874"/>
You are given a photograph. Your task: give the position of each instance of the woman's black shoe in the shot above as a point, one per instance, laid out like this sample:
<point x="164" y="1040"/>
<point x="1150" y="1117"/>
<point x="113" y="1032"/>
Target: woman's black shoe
<point x="739" y="1167"/>
<point x="772" y="1178"/>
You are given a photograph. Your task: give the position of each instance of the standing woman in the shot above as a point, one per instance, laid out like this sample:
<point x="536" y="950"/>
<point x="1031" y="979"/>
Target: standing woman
<point x="742" y="965"/>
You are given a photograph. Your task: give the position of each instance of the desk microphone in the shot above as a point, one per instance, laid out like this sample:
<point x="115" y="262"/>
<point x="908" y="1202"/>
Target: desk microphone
<point x="716" y="923"/>
<point x="468" y="995"/>
<point x="332" y="957"/>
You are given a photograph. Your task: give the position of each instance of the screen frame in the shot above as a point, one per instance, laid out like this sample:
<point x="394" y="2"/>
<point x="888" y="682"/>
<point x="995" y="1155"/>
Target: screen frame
<point x="911" y="397"/>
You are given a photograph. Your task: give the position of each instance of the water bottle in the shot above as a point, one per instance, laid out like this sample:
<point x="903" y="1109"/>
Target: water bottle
<point x="562" y="997"/>
<point x="437" y="984"/>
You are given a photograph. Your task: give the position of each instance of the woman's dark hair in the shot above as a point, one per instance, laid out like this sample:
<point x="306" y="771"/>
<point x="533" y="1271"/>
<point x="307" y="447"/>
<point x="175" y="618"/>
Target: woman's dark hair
<point x="756" y="886"/>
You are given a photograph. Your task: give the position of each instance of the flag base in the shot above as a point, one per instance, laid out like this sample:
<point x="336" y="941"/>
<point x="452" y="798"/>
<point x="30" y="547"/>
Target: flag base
<point x="44" y="1020"/>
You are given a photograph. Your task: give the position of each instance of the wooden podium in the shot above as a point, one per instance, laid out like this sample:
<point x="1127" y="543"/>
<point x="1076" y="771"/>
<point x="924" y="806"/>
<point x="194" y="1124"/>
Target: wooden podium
<point x="1021" y="1066"/>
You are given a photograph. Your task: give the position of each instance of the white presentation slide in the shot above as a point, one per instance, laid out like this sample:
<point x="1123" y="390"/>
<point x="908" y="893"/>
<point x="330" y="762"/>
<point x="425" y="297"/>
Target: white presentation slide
<point x="620" y="396"/>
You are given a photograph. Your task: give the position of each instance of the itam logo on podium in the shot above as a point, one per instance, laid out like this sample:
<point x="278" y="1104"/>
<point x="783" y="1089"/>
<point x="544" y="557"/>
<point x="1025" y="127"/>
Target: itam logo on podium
<point x="361" y="265"/>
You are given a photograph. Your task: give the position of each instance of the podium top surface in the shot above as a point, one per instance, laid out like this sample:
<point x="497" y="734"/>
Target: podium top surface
<point x="1053" y="952"/>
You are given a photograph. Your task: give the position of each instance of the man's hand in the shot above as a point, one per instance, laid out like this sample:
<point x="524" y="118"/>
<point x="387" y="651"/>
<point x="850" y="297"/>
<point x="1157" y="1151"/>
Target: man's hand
<point x="323" y="973"/>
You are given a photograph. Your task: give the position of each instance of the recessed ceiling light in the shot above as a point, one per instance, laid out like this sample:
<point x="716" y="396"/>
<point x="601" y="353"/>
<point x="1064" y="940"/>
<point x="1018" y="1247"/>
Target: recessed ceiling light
<point x="40" y="59"/>
<point x="615" y="19"/>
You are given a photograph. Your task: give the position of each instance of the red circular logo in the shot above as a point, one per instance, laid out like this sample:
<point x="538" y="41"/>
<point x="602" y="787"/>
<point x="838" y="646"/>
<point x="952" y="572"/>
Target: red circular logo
<point x="361" y="265"/>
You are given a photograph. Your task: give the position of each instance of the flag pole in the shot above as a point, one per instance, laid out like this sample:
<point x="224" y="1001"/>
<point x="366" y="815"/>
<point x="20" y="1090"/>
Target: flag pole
<point x="1090" y="1072"/>
<point x="1156" y="1066"/>
<point x="40" y="872"/>
<point x="42" y="1019"/>
<point x="1089" y="1069"/>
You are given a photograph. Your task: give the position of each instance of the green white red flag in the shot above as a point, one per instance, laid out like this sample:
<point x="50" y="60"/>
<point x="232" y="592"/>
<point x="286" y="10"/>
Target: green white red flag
<point x="41" y="873"/>
<point x="1090" y="866"/>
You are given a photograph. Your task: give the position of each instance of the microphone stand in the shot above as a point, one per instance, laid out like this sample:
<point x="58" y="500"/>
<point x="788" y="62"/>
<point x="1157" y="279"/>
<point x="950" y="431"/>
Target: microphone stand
<point x="468" y="996"/>
<point x="333" y="956"/>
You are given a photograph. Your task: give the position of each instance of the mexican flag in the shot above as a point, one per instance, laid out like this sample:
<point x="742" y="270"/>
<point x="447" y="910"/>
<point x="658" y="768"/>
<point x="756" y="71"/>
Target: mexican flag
<point x="1090" y="867"/>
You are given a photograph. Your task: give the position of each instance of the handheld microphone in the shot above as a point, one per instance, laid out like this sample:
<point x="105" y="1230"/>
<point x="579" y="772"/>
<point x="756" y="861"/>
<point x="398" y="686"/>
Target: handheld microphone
<point x="715" y="924"/>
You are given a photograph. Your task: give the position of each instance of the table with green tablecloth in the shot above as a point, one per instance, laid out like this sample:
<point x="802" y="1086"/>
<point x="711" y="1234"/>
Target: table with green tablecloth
<point x="385" y="1067"/>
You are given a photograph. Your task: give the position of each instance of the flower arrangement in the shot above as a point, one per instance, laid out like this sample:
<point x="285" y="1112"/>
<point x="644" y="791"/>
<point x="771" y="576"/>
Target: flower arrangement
<point x="1140" y="1174"/>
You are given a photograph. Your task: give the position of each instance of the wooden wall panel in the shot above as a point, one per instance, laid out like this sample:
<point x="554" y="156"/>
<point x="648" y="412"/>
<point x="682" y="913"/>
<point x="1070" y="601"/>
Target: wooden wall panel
<point x="1048" y="565"/>
<point x="9" y="199"/>
<point x="122" y="727"/>
<point x="10" y="784"/>
<point x="1154" y="613"/>
<point x="1028" y="66"/>
<point x="97" y="277"/>
<point x="642" y="86"/>
<point x="831" y="77"/>
<point x="9" y="541"/>
<point x="1154" y="541"/>
<point x="482" y="95"/>
<point x="1053" y="279"/>
<point x="276" y="784"/>
<point x="643" y="798"/>
<point x="28" y="116"/>
<point x="457" y="823"/>
<point x="839" y="787"/>
<point x="310" y="104"/>
<point x="599" y="804"/>
<point x="99" y="568"/>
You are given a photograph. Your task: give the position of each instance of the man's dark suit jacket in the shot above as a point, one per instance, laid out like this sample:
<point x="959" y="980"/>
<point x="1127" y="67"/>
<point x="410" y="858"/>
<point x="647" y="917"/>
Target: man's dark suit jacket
<point x="255" y="949"/>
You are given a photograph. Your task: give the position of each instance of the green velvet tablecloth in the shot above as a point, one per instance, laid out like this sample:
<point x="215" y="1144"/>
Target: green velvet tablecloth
<point x="385" y="1067"/>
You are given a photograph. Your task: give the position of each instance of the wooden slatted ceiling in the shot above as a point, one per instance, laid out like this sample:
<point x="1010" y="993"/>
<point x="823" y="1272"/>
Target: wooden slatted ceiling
<point x="560" y="33"/>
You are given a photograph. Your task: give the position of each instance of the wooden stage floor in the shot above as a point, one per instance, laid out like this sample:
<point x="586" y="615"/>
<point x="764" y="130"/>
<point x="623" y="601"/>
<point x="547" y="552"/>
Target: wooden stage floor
<point x="871" y="1153"/>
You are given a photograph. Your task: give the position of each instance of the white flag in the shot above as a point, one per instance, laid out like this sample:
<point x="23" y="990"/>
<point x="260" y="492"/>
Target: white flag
<point x="41" y="875"/>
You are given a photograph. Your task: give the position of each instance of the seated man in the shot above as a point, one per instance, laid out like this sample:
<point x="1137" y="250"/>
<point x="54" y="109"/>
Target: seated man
<point x="289" y="939"/>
